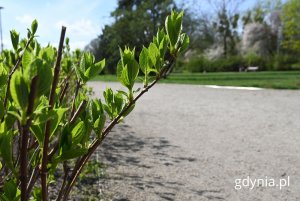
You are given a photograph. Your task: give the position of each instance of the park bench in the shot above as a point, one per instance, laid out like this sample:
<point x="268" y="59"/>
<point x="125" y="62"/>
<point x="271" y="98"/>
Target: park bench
<point x="252" y="68"/>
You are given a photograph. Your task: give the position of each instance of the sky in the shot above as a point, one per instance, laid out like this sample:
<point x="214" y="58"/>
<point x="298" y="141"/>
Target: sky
<point x="84" y="19"/>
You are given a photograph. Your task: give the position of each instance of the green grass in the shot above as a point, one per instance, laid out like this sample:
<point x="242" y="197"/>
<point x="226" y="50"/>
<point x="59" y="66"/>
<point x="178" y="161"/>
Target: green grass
<point x="275" y="80"/>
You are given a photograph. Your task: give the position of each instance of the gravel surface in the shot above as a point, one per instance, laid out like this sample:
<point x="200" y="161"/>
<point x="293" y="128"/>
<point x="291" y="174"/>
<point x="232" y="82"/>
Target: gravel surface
<point x="187" y="142"/>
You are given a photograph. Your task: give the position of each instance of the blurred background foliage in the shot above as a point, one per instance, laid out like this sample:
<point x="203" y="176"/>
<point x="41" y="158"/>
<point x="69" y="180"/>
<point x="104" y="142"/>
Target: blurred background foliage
<point x="223" y="38"/>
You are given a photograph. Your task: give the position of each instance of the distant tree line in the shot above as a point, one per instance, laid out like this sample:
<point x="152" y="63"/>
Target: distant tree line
<point x="223" y="38"/>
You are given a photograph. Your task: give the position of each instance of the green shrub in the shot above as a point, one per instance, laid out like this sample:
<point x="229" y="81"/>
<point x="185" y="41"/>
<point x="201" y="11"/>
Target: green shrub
<point x="179" y="65"/>
<point x="203" y="64"/>
<point x="48" y="121"/>
<point x="197" y="64"/>
<point x="295" y="66"/>
<point x="284" y="61"/>
<point x="253" y="59"/>
<point x="233" y="63"/>
<point x="230" y="63"/>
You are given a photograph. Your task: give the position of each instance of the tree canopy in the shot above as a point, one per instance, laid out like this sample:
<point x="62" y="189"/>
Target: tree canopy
<point x="291" y="29"/>
<point x="135" y="24"/>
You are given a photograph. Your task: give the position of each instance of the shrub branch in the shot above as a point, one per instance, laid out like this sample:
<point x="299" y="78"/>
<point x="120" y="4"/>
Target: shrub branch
<point x="48" y="124"/>
<point x="81" y="163"/>
<point x="24" y="140"/>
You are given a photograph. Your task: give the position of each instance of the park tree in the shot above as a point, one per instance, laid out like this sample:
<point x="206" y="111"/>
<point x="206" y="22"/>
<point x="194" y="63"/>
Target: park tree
<point x="272" y="10"/>
<point x="262" y="28"/>
<point x="255" y="39"/>
<point x="226" y="24"/>
<point x="256" y="15"/>
<point x="255" y="36"/>
<point x="200" y="30"/>
<point x="135" y="23"/>
<point x="291" y="27"/>
<point x="226" y="27"/>
<point x="198" y="25"/>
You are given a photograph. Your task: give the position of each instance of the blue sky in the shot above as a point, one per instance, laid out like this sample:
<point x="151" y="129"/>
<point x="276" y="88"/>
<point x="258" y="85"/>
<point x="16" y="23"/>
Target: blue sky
<point x="84" y="19"/>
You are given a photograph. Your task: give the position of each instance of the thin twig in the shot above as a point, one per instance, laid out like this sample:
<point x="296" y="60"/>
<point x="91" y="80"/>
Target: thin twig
<point x="74" y="98"/>
<point x="33" y="145"/>
<point x="18" y="144"/>
<point x="66" y="171"/>
<point x="78" y="111"/>
<point x="48" y="123"/>
<point x="63" y="92"/>
<point x="66" y="79"/>
<point x="53" y="151"/>
<point x="34" y="176"/>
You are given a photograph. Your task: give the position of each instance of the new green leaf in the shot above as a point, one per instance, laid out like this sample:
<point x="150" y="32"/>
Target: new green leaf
<point x="3" y="75"/>
<point x="144" y="60"/>
<point x="19" y="90"/>
<point x="6" y="147"/>
<point x="185" y="41"/>
<point x="99" y="125"/>
<point x="127" y="68"/>
<point x="173" y="26"/>
<point x="72" y="153"/>
<point x="78" y="132"/>
<point x="34" y="26"/>
<point x="14" y="36"/>
<point x="26" y="59"/>
<point x="94" y="69"/>
<point x="10" y="190"/>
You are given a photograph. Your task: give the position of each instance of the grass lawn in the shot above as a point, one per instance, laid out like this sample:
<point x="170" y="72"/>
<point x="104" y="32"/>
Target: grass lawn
<point x="276" y="79"/>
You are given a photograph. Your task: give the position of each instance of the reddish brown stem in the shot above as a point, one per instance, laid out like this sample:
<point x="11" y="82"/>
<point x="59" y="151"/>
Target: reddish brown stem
<point x="48" y="123"/>
<point x="24" y="141"/>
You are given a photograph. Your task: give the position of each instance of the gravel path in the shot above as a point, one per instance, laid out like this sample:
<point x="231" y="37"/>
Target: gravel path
<point x="186" y="142"/>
